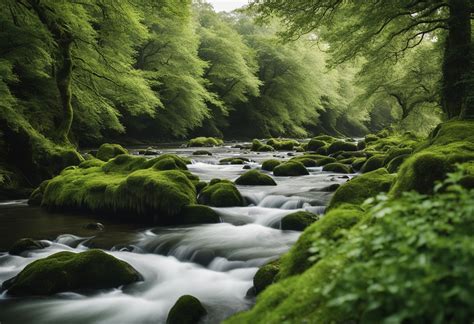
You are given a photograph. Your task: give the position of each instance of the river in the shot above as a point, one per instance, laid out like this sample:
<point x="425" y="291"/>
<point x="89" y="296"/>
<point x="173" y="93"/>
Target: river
<point x="214" y="262"/>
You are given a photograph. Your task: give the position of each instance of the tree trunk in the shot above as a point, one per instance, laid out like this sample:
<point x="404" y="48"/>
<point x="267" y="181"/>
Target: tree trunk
<point x="457" y="61"/>
<point x="63" y="38"/>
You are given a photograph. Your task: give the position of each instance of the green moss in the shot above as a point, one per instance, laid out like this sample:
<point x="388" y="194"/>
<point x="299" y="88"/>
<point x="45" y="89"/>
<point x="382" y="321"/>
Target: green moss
<point x="36" y="196"/>
<point x="330" y="227"/>
<point x="341" y="146"/>
<point x="255" y="178"/>
<point x="283" y="145"/>
<point x="361" y="145"/>
<point x="205" y="142"/>
<point x="198" y="214"/>
<point x="269" y="165"/>
<point x="221" y="193"/>
<point x="395" y="152"/>
<point x="24" y="245"/>
<point x="326" y="138"/>
<point x="265" y="276"/>
<point x="298" y="221"/>
<point x="361" y="187"/>
<point x="234" y="160"/>
<point x="200" y="185"/>
<point x="202" y="152"/>
<point x="323" y="150"/>
<point x="325" y="160"/>
<point x="187" y="310"/>
<point x="315" y="144"/>
<point x="347" y="160"/>
<point x="265" y="148"/>
<point x="307" y="162"/>
<point x="373" y="163"/>
<point x="450" y="143"/>
<point x="396" y="162"/>
<point x="123" y="186"/>
<point x="93" y="162"/>
<point x="371" y="138"/>
<point x="358" y="163"/>
<point x="337" y="167"/>
<point x="290" y="168"/>
<point x="67" y="271"/>
<point x="108" y="151"/>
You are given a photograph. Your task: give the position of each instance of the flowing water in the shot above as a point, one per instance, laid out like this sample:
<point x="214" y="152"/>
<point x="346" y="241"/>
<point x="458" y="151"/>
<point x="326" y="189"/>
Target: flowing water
<point x="214" y="262"/>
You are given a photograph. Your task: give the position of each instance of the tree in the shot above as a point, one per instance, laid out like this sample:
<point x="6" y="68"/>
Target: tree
<point x="384" y="30"/>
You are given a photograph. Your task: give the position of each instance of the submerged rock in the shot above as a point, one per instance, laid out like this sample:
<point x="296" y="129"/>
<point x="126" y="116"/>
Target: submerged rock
<point x="265" y="276"/>
<point x="68" y="271"/>
<point x="26" y="244"/>
<point x="255" y="178"/>
<point x="298" y="221"/>
<point x="187" y="310"/>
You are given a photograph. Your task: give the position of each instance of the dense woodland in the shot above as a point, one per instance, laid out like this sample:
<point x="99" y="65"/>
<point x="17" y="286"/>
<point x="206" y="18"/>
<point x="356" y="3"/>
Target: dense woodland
<point x="382" y="91"/>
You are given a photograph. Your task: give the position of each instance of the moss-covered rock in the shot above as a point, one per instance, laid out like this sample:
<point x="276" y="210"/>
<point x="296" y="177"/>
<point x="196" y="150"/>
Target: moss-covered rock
<point x="221" y="193"/>
<point x="198" y="214"/>
<point x="315" y="144"/>
<point x="26" y="244"/>
<point x="326" y="138"/>
<point x="283" y="145"/>
<point x="200" y="185"/>
<point x="361" y="145"/>
<point x="337" y="167"/>
<point x="265" y="276"/>
<point x="395" y="152"/>
<point x="371" y="138"/>
<point x="290" y="168"/>
<point x="187" y="310"/>
<point x="322" y="150"/>
<point x="341" y="146"/>
<point x="298" y="221"/>
<point x="449" y="144"/>
<point x="329" y="227"/>
<point x="358" y="163"/>
<point x="325" y="160"/>
<point x="307" y="162"/>
<point x="67" y="271"/>
<point x="373" y="163"/>
<point x="202" y="152"/>
<point x="361" y="187"/>
<point x="346" y="160"/>
<point x="255" y="178"/>
<point x="269" y="165"/>
<point x="396" y="162"/>
<point x="127" y="186"/>
<point x="108" y="151"/>
<point x="205" y="142"/>
<point x="234" y="160"/>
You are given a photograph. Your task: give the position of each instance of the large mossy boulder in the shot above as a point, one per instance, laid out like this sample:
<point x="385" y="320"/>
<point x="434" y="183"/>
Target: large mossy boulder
<point x="450" y="143"/>
<point x="128" y="186"/>
<point x="68" y="271"/>
<point x="260" y="147"/>
<point x="283" y="145"/>
<point x="329" y="228"/>
<point x="325" y="160"/>
<point x="373" y="163"/>
<point x="315" y="144"/>
<point x="298" y="221"/>
<point x="198" y="214"/>
<point x="205" y="142"/>
<point x="361" y="187"/>
<point x="255" y="178"/>
<point x="221" y="193"/>
<point x="337" y="167"/>
<point x="265" y="276"/>
<point x="341" y="146"/>
<point x="26" y="244"/>
<point x="306" y="161"/>
<point x="108" y="151"/>
<point x="234" y="160"/>
<point x="290" y="169"/>
<point x="269" y="165"/>
<point x="187" y="310"/>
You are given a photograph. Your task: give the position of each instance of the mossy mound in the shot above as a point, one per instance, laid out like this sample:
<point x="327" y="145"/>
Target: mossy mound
<point x="198" y="214"/>
<point x="202" y="152"/>
<point x="283" y="145"/>
<point x="326" y="138"/>
<point x="234" y="160"/>
<point x="269" y="165"/>
<point x="337" y="167"/>
<point x="450" y="143"/>
<point x="395" y="163"/>
<point x="395" y="152"/>
<point x="298" y="221"/>
<point x="307" y="162"/>
<point x="260" y="147"/>
<point x="187" y="310"/>
<point x="221" y="193"/>
<point x="373" y="163"/>
<point x="347" y="160"/>
<point x="341" y="146"/>
<point x="67" y="271"/>
<point x="26" y="244"/>
<point x="205" y="142"/>
<point x="200" y="185"/>
<point x="361" y="187"/>
<point x="358" y="163"/>
<point x="255" y="178"/>
<point x="371" y="138"/>
<point x="265" y="276"/>
<point x="315" y="144"/>
<point x="325" y="160"/>
<point x="108" y="151"/>
<point x="128" y="186"/>
<point x="329" y="228"/>
<point x="290" y="169"/>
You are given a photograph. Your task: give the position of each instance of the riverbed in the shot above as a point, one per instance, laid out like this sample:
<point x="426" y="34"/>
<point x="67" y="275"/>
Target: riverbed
<point x="214" y="262"/>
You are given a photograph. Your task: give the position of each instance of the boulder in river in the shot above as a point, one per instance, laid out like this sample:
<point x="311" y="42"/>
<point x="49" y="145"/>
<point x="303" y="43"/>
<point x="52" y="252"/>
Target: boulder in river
<point x="68" y="271"/>
<point x="108" y="151"/>
<point x="187" y="310"/>
<point x="290" y="168"/>
<point x="265" y="276"/>
<point x="205" y="142"/>
<point x="26" y="244"/>
<point x="202" y="152"/>
<point x="337" y="167"/>
<point x="255" y="178"/>
<point x="298" y="221"/>
<point x="269" y="165"/>
<point x="198" y="214"/>
<point x="221" y="193"/>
